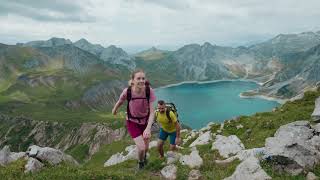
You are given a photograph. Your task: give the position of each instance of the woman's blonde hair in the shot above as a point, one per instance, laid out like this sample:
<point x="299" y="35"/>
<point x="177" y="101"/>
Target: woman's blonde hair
<point x="130" y="83"/>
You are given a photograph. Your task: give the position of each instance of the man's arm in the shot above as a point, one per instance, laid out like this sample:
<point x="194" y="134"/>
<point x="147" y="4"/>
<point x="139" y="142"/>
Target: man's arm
<point x="178" y="129"/>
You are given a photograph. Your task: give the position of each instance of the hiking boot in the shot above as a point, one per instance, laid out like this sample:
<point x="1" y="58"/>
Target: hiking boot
<point x="140" y="165"/>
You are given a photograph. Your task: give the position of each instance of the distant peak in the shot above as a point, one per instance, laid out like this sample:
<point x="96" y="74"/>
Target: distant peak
<point x="207" y="44"/>
<point x="83" y="40"/>
<point x="58" y="39"/>
<point x="153" y="48"/>
<point x="308" y="32"/>
<point x="113" y="47"/>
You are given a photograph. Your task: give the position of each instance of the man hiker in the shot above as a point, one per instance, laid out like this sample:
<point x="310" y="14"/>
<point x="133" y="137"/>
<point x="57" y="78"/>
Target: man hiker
<point x="169" y="126"/>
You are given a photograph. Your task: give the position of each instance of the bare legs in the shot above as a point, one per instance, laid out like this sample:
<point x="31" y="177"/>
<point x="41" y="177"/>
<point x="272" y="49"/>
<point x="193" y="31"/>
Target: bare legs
<point x="142" y="146"/>
<point x="160" y="148"/>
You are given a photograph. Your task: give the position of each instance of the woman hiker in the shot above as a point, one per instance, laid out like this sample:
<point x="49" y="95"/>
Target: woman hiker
<point x="140" y="112"/>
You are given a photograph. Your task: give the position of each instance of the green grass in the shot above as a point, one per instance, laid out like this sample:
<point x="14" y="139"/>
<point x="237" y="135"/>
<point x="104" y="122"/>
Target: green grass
<point x="265" y="124"/>
<point x="80" y="152"/>
<point x="211" y="170"/>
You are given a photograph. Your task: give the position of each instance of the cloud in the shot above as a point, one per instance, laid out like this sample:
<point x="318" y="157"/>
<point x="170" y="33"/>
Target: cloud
<point x="46" y="10"/>
<point x="157" y="22"/>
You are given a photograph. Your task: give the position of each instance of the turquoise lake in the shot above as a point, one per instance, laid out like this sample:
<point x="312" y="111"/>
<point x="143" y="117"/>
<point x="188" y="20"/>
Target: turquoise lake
<point x="201" y="103"/>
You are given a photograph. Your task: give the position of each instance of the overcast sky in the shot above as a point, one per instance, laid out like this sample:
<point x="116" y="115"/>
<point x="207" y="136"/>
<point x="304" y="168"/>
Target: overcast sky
<point x="161" y="23"/>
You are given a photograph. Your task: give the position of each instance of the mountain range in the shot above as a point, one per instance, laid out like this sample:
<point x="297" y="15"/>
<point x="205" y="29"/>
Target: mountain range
<point x="90" y="76"/>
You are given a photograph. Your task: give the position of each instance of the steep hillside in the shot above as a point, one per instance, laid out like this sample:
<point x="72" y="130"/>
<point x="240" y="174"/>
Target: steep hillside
<point x="251" y="130"/>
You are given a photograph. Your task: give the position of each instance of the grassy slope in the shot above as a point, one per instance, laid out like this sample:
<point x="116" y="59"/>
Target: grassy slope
<point x="48" y="103"/>
<point x="263" y="125"/>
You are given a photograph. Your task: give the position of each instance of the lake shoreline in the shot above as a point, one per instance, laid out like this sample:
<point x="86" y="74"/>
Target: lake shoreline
<point x="268" y="98"/>
<point x="207" y="82"/>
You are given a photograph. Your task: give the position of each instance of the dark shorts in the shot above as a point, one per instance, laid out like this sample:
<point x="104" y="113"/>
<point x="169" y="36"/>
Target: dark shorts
<point x="163" y="136"/>
<point x="135" y="129"/>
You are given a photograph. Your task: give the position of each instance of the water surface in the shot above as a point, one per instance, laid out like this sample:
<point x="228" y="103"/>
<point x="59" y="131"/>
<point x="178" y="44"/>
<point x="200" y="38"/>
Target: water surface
<point x="200" y="103"/>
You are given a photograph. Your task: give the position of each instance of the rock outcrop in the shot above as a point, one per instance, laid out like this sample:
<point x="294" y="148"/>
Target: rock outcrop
<point x="49" y="155"/>
<point x="62" y="135"/>
<point x="227" y="146"/>
<point x="169" y="172"/>
<point x="204" y="138"/>
<point x="6" y="156"/>
<point x="36" y="157"/>
<point x="295" y="147"/>
<point x="193" y="160"/>
<point x="316" y="113"/>
<point x="249" y="169"/>
<point x="194" y="174"/>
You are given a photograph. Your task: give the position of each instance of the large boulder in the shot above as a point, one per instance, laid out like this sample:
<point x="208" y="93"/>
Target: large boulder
<point x="33" y="165"/>
<point x="316" y="113"/>
<point x="194" y="174"/>
<point x="115" y="159"/>
<point x="15" y="156"/>
<point x="50" y="155"/>
<point x="311" y="176"/>
<point x="169" y="172"/>
<point x="249" y="169"/>
<point x="5" y="156"/>
<point x="227" y="146"/>
<point x="172" y="157"/>
<point x="193" y="160"/>
<point x="295" y="146"/>
<point x="245" y="154"/>
<point x="204" y="138"/>
<point x="131" y="153"/>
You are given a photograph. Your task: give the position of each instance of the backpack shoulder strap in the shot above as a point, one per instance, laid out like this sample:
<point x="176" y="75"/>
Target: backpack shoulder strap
<point x="156" y="115"/>
<point x="168" y="115"/>
<point x="129" y="93"/>
<point x="147" y="91"/>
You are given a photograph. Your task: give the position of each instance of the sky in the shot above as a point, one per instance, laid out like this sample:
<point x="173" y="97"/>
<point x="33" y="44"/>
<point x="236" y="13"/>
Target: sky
<point x="168" y="24"/>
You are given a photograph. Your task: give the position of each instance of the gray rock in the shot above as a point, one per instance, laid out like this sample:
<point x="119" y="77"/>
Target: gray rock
<point x="317" y="127"/>
<point x="202" y="139"/>
<point x="169" y="172"/>
<point x="294" y="146"/>
<point x="15" y="156"/>
<point x="33" y="165"/>
<point x="131" y="153"/>
<point x="50" y="155"/>
<point x="115" y="159"/>
<point x="240" y="126"/>
<point x="33" y="151"/>
<point x="194" y="175"/>
<point x="248" y="131"/>
<point x="249" y="169"/>
<point x="184" y="131"/>
<point x="172" y="157"/>
<point x="153" y="144"/>
<point x="193" y="160"/>
<point x="5" y="156"/>
<point x="316" y="113"/>
<point x="226" y="146"/>
<point x="311" y="176"/>
<point x="245" y="154"/>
